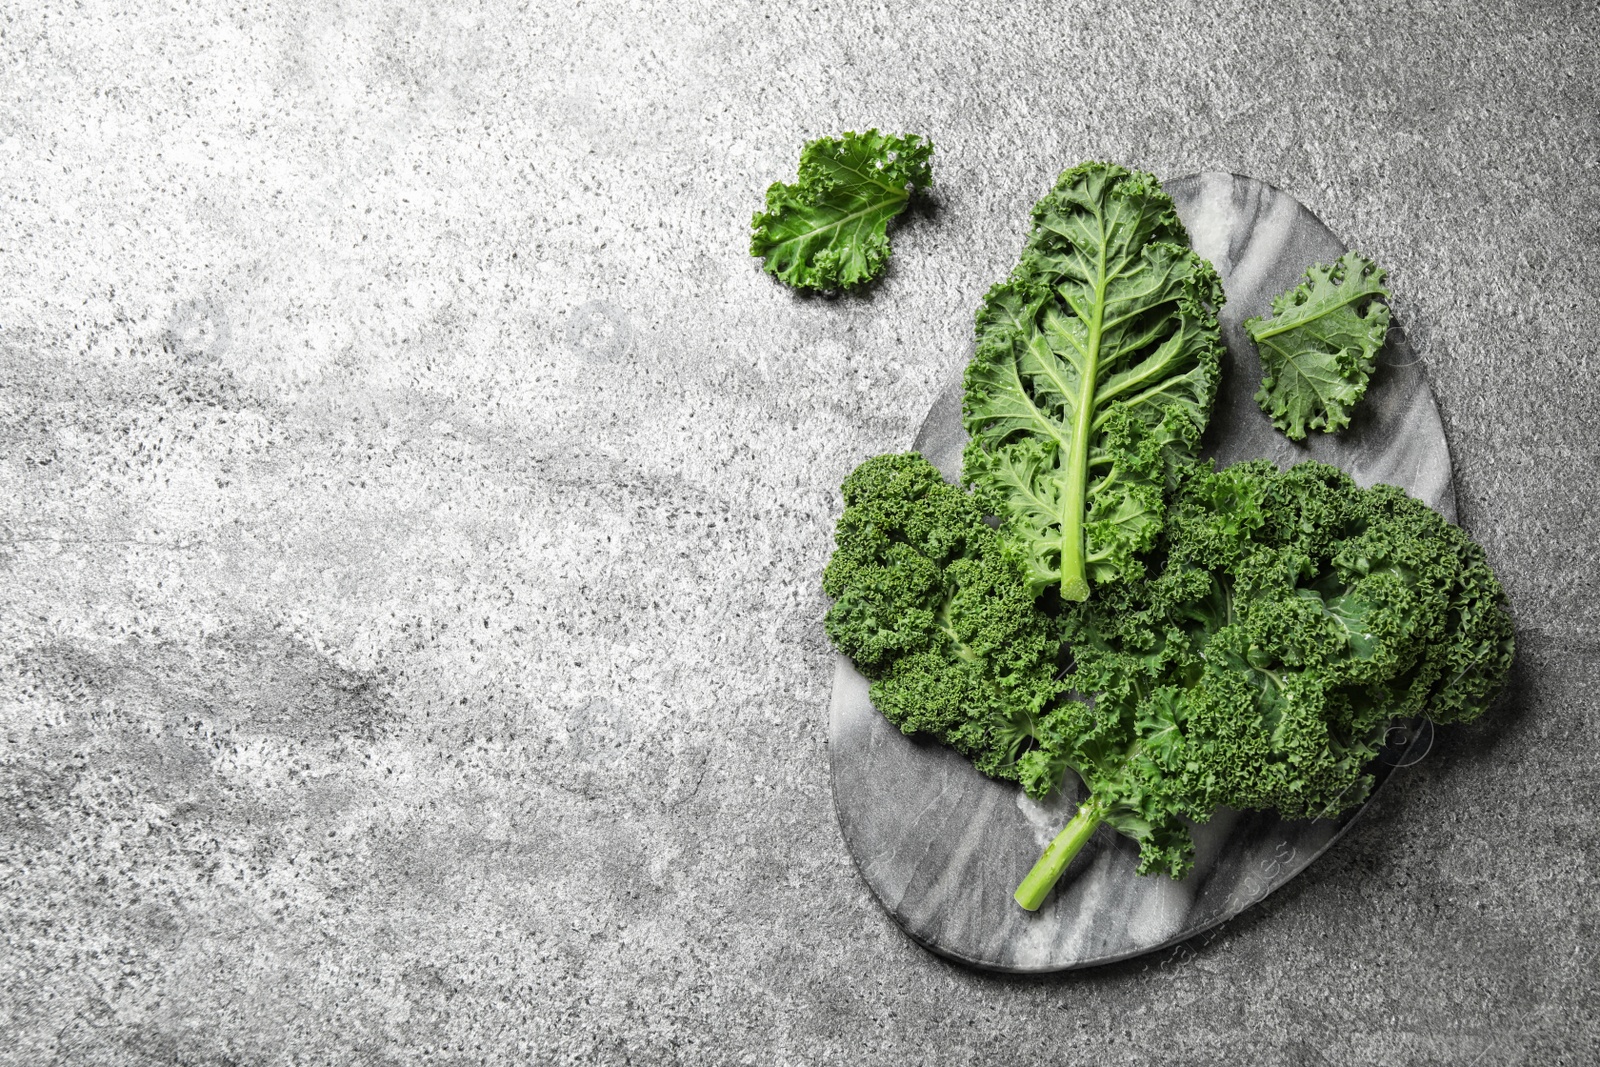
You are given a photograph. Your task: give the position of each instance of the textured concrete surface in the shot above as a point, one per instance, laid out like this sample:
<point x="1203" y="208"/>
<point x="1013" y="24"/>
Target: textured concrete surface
<point x="414" y="501"/>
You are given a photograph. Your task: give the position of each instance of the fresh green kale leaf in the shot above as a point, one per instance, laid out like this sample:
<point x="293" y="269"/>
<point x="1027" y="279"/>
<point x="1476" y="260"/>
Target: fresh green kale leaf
<point x="1095" y="369"/>
<point x="930" y="607"/>
<point x="829" y="230"/>
<point x="1293" y="619"/>
<point x="1319" y="345"/>
<point x="1290" y="619"/>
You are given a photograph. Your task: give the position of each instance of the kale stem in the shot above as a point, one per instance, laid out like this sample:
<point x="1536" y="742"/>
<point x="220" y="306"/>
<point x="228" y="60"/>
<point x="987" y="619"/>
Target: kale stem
<point x="1074" y="582"/>
<point x="1039" y="881"/>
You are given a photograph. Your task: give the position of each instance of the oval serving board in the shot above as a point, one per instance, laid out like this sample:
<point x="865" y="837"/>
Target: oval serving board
<point x="943" y="847"/>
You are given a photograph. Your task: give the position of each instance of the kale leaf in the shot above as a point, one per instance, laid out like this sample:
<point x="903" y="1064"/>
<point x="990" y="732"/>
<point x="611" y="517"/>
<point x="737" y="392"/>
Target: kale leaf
<point x="829" y="230"/>
<point x="1095" y="369"/>
<point x="932" y="609"/>
<point x="1319" y="344"/>
<point x="1252" y="634"/>
<point x="1287" y="620"/>
<point x="1293" y="619"/>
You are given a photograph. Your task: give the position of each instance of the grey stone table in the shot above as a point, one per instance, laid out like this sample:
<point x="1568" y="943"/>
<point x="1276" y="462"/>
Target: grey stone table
<point x="413" y="499"/>
<point x="943" y="847"/>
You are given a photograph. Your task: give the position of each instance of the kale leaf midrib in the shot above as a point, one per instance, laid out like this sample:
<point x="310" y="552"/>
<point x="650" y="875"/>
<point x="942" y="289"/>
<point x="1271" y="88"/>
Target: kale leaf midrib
<point x="807" y="235"/>
<point x="1073" y="549"/>
<point x="1323" y="310"/>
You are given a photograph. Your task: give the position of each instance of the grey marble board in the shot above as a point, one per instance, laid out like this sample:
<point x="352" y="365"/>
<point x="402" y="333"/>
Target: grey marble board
<point x="943" y="847"/>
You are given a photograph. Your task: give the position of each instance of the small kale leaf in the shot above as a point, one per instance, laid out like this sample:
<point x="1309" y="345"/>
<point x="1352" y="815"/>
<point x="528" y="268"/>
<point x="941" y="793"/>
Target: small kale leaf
<point x="1319" y="345"/>
<point x="829" y="230"/>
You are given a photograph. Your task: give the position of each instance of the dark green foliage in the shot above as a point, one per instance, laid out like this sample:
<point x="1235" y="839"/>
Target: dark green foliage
<point x="1293" y="619"/>
<point x="1285" y="621"/>
<point x="930" y="607"/>
<point x="1320" y="345"/>
<point x="829" y="230"/>
<point x="1179" y="637"/>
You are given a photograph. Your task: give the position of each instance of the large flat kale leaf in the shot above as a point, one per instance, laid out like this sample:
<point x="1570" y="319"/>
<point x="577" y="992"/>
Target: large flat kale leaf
<point x="1095" y="369"/>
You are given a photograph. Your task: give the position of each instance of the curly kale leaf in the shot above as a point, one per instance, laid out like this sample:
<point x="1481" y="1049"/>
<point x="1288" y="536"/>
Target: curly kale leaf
<point x="1349" y="609"/>
<point x="1294" y="619"/>
<point x="1288" y="619"/>
<point x="829" y="230"/>
<point x="1319" y="345"/>
<point x="929" y="606"/>
<point x="1094" y="374"/>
